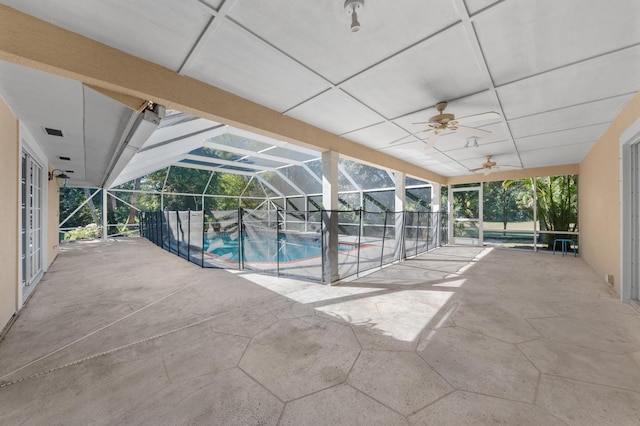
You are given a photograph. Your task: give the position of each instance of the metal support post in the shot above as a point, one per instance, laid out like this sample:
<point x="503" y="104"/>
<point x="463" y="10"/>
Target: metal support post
<point x="240" y="240"/>
<point x="359" y="240"/>
<point x="384" y="233"/>
<point x="417" y="232"/>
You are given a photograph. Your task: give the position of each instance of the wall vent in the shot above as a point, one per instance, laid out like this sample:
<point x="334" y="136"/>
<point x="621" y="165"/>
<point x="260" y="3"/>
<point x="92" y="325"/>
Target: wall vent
<point x="53" y="132"/>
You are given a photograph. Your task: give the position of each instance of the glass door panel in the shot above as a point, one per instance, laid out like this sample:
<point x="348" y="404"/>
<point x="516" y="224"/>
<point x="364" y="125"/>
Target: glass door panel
<point x="467" y="216"/>
<point x="32" y="232"/>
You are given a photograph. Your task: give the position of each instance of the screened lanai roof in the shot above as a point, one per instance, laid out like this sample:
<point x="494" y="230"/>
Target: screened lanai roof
<point x="198" y="143"/>
<point x="277" y="168"/>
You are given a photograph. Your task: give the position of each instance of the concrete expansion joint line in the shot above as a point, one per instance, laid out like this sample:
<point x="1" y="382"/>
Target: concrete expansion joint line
<point x="573" y="379"/>
<point x="378" y="401"/>
<point x="96" y="331"/>
<point x="260" y="384"/>
<point x="107" y="352"/>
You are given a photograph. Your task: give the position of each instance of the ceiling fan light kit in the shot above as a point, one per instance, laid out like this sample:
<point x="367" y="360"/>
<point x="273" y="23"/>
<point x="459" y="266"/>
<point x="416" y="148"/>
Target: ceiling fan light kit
<point x="352" y="7"/>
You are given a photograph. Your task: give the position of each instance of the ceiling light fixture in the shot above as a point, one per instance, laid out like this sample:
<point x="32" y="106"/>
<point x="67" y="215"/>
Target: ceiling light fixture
<point x="61" y="177"/>
<point x="350" y="6"/>
<point x="475" y="142"/>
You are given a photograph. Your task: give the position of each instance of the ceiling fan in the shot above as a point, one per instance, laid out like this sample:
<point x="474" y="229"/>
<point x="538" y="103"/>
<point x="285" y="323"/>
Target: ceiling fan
<point x="447" y="122"/>
<point x="491" y="166"/>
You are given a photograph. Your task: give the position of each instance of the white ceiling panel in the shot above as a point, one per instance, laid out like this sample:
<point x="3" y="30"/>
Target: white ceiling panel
<point x="43" y="100"/>
<point x="317" y="32"/>
<point x="104" y="123"/>
<point x="239" y="62"/>
<point x="587" y="134"/>
<point x="606" y="76"/>
<point x="336" y="112"/>
<point x="377" y="136"/>
<point x="449" y="169"/>
<point x="473" y="6"/>
<point x="556" y="73"/>
<point x="568" y="154"/>
<point x="213" y="4"/>
<point x="597" y="112"/>
<point x="161" y="31"/>
<point x="417" y="152"/>
<point x="439" y="69"/>
<point x="498" y="133"/>
<point x="514" y="47"/>
<point x="461" y="153"/>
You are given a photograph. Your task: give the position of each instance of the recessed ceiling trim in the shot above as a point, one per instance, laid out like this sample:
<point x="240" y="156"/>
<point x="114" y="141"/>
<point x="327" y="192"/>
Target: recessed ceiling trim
<point x="570" y="64"/>
<point x="213" y="24"/>
<point x="472" y="35"/>
<point x="546" y="111"/>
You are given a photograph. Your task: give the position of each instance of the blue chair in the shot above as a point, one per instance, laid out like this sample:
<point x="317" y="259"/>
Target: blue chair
<point x="564" y="242"/>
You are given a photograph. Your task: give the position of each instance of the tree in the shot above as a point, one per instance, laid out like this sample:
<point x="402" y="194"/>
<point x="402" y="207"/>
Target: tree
<point x="70" y="200"/>
<point x="505" y="202"/>
<point x="557" y="201"/>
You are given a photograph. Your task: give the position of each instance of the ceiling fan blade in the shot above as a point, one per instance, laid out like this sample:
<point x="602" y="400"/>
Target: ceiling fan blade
<point x="477" y="169"/>
<point x="431" y="142"/>
<point x="421" y="122"/>
<point x="473" y="131"/>
<point x="485" y="116"/>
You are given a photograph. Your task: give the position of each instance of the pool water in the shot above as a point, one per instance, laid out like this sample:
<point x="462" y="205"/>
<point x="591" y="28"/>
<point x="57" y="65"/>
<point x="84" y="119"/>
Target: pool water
<point x="264" y="250"/>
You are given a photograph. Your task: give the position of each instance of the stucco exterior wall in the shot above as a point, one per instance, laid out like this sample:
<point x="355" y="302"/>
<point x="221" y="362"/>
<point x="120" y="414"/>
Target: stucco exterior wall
<point x="599" y="197"/>
<point x="9" y="146"/>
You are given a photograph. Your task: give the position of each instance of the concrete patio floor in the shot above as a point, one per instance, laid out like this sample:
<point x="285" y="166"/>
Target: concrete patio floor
<point x="126" y="333"/>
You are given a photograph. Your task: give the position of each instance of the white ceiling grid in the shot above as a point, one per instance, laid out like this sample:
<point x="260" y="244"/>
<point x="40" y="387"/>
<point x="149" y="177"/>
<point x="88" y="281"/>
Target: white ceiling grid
<point x="556" y="72"/>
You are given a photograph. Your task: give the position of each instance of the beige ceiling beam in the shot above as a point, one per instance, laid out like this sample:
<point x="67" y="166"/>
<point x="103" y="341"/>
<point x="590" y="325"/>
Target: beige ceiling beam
<point x="34" y="43"/>
<point x="568" y="169"/>
<point x="131" y="102"/>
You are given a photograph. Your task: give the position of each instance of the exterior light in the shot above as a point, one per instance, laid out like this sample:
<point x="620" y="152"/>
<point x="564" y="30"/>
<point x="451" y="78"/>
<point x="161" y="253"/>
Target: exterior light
<point x="61" y="177"/>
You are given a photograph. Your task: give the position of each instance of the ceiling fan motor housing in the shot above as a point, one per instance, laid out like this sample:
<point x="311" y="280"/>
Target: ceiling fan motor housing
<point x="443" y="121"/>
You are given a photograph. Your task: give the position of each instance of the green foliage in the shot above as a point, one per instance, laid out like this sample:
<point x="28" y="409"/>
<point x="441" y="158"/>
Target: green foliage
<point x="71" y="199"/>
<point x="89" y="232"/>
<point x="557" y="200"/>
<point x="507" y="203"/>
<point x="418" y="199"/>
<point x="367" y="177"/>
<point x="466" y="204"/>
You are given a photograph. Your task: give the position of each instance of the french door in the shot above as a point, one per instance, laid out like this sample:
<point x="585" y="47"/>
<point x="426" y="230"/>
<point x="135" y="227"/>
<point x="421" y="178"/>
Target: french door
<point x="32" y="237"/>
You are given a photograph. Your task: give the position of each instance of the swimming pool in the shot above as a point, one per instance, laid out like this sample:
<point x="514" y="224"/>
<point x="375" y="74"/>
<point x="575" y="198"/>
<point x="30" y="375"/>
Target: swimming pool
<point x="267" y="249"/>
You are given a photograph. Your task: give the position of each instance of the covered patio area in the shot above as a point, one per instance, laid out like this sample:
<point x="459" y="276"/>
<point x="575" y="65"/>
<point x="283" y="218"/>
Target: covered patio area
<point x="460" y="335"/>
